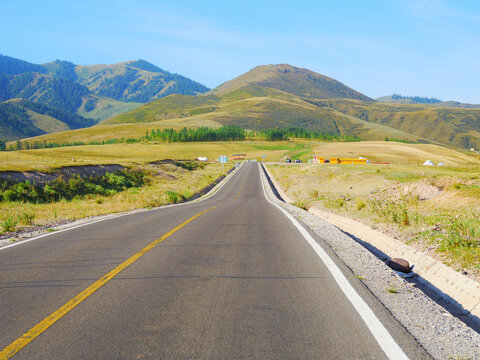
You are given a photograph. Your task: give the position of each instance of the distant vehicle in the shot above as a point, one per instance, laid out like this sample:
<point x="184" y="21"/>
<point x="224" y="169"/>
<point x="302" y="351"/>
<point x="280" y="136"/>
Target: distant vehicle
<point x="289" y="160"/>
<point x="297" y="161"/>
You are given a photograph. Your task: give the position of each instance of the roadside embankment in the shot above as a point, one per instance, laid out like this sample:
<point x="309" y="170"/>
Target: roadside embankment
<point x="162" y="183"/>
<point x="42" y="177"/>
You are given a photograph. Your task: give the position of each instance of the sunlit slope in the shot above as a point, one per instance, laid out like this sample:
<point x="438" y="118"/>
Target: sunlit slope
<point x="254" y="107"/>
<point x="451" y="126"/>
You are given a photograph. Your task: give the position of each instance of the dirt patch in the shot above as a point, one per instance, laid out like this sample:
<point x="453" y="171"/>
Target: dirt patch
<point x="422" y="190"/>
<point x="67" y="172"/>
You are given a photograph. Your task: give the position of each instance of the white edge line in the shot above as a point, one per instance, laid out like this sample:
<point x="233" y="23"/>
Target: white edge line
<point x="136" y="211"/>
<point x="378" y="330"/>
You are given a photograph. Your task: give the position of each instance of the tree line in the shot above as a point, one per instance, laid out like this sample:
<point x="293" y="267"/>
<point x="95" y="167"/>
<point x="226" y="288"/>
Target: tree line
<point x="203" y="134"/>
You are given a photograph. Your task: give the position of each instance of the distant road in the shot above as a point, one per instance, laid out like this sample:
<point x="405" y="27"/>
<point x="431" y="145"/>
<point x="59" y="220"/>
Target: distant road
<point x="226" y="278"/>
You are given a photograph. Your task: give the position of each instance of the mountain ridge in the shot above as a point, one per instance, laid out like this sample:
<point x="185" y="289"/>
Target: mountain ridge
<point x="95" y="91"/>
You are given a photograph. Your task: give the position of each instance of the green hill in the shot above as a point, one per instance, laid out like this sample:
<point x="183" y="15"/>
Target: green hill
<point x="96" y="91"/>
<point x="135" y="81"/>
<point x="45" y="89"/>
<point x="20" y="118"/>
<point x="12" y="66"/>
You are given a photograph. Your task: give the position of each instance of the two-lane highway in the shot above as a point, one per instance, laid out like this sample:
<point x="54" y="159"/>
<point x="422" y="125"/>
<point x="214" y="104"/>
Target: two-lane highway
<point x="226" y="278"/>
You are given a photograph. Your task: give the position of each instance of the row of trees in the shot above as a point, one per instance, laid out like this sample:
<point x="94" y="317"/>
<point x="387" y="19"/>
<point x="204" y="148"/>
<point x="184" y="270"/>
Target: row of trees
<point x="225" y="133"/>
<point x="417" y="99"/>
<point x="203" y="134"/>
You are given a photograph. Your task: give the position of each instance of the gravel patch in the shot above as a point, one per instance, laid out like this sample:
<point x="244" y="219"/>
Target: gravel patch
<point x="440" y="333"/>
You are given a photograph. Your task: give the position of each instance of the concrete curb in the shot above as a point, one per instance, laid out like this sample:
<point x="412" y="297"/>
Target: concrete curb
<point x="454" y="287"/>
<point x="279" y="189"/>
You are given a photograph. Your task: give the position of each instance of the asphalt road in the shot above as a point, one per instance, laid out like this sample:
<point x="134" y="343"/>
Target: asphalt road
<point x="237" y="282"/>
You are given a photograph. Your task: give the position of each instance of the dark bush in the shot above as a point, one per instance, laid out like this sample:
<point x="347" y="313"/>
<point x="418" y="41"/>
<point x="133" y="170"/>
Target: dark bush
<point x="73" y="188"/>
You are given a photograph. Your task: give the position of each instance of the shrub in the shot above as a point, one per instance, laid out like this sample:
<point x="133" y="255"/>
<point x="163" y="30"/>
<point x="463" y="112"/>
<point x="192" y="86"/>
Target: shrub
<point x="9" y="223"/>
<point x="9" y="195"/>
<point x="27" y="217"/>
<point x="75" y="188"/>
<point x="301" y="204"/>
<point x="360" y="203"/>
<point x="173" y="196"/>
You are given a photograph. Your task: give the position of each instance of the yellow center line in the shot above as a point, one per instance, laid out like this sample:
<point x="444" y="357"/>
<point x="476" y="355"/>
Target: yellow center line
<point x="26" y="338"/>
<point x="238" y="194"/>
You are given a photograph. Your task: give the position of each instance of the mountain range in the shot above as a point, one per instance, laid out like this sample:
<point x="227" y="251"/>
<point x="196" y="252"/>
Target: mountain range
<point x="96" y="91"/>
<point x="286" y="96"/>
<point x="268" y="96"/>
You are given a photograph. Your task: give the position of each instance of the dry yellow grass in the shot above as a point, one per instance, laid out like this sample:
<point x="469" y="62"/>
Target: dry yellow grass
<point x="127" y="154"/>
<point x="436" y="209"/>
<point x="139" y="153"/>
<point x="163" y="178"/>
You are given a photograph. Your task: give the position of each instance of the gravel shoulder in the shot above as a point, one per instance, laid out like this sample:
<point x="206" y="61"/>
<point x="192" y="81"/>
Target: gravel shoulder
<point x="439" y="332"/>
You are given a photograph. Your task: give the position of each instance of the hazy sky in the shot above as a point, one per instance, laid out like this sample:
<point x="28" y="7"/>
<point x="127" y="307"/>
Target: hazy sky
<point x="412" y="47"/>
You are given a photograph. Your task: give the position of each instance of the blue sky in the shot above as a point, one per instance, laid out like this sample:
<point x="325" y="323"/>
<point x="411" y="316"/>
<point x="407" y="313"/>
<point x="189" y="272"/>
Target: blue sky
<point x="412" y="47"/>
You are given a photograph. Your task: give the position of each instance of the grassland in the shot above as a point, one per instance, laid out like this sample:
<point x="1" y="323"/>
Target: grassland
<point x="168" y="184"/>
<point x="435" y="209"/>
<point x="139" y="153"/>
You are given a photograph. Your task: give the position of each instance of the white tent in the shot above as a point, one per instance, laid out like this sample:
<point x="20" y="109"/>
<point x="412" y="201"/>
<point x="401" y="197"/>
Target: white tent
<point x="441" y="164"/>
<point x="428" y="163"/>
<point x="202" y="158"/>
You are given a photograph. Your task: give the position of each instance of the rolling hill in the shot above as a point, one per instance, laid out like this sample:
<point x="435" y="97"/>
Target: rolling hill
<point x="450" y="126"/>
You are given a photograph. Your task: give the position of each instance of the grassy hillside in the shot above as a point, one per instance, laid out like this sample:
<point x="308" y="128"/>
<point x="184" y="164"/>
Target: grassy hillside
<point x="293" y="80"/>
<point x="101" y="108"/>
<point x="255" y="107"/>
<point x="450" y="126"/>
<point x="21" y="118"/>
